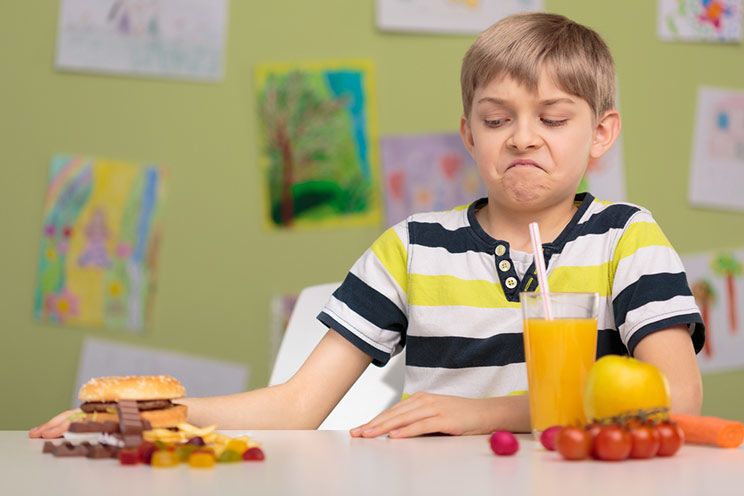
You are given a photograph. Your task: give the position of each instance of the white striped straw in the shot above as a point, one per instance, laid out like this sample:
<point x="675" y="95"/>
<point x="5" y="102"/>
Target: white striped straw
<point x="542" y="276"/>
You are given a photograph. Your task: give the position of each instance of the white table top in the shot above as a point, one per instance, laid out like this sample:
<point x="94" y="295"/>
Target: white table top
<point x="331" y="463"/>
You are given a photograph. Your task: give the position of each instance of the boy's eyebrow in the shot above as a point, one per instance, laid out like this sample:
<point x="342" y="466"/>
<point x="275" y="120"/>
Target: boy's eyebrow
<point x="549" y="101"/>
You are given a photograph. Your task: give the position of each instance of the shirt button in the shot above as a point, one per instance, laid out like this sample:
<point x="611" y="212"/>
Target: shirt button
<point x="511" y="282"/>
<point x="500" y="250"/>
<point x="504" y="265"/>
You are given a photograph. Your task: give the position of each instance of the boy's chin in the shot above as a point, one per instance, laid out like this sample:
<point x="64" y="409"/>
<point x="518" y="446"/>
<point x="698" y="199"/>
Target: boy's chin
<point x="531" y="199"/>
<point x="526" y="195"/>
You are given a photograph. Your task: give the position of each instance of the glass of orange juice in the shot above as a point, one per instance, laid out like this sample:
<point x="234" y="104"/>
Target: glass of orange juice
<point x="559" y="353"/>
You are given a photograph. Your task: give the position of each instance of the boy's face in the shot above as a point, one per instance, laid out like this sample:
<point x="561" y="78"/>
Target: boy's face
<point x="532" y="148"/>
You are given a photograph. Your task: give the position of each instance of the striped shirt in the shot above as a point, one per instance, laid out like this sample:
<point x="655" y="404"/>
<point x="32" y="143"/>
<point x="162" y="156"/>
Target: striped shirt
<point x="439" y="285"/>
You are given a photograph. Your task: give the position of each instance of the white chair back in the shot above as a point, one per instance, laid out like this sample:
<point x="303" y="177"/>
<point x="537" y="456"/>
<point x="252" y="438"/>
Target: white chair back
<point x="377" y="388"/>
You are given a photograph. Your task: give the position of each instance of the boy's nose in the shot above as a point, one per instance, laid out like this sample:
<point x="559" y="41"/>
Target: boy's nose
<point x="523" y="138"/>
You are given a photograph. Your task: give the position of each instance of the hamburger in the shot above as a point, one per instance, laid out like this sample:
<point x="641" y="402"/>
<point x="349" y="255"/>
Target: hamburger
<point x="154" y="395"/>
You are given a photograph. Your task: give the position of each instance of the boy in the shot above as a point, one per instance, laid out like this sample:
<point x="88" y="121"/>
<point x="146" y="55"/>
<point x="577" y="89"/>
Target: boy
<point x="538" y="107"/>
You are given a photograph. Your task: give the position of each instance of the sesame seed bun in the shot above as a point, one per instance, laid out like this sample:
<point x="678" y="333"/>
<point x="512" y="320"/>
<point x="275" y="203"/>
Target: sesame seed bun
<point x="132" y="387"/>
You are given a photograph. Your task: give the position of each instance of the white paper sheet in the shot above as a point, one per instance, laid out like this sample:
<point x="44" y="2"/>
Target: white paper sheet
<point x="200" y="376"/>
<point x="448" y="16"/>
<point x="168" y="38"/>
<point x="717" y="171"/>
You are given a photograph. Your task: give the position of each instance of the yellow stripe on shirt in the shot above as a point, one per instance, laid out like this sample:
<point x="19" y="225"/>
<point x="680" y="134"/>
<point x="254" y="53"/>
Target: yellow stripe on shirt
<point x="436" y="291"/>
<point x="580" y="279"/>
<point x="389" y="250"/>
<point x="636" y="236"/>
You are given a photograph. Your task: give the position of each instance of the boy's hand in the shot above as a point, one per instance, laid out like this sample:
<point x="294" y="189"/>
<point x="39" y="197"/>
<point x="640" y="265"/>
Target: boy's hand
<point x="425" y="413"/>
<point x="55" y="427"/>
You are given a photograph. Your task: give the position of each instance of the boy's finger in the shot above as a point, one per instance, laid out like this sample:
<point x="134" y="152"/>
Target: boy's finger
<point x="54" y="427"/>
<point x="385" y="416"/>
<point x="54" y="432"/>
<point x="398" y="422"/>
<point x="425" y="426"/>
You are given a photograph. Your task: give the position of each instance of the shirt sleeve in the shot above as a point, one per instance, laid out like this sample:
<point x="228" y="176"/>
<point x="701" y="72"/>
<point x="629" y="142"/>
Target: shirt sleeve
<point x="370" y="307"/>
<point x="650" y="291"/>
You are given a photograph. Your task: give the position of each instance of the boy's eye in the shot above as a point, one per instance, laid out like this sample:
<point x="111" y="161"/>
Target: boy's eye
<point x="494" y="122"/>
<point x="553" y="122"/>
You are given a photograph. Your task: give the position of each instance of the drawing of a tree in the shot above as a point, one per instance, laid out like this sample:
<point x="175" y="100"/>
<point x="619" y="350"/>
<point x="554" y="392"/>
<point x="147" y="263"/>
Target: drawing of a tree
<point x="705" y="297"/>
<point x="309" y="146"/>
<point x="729" y="268"/>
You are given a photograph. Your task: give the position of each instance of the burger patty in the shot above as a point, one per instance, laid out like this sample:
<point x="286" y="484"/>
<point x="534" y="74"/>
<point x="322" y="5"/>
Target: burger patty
<point x="106" y="406"/>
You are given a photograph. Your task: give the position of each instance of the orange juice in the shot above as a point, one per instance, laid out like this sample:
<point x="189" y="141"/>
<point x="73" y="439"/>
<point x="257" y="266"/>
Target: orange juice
<point x="559" y="354"/>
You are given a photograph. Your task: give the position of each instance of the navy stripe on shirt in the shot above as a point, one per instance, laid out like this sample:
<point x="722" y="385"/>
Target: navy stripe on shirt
<point x="434" y="235"/>
<point x="379" y="357"/>
<point x="647" y="289"/>
<point x="610" y="343"/>
<point x="453" y="352"/>
<point x="612" y="217"/>
<point x="498" y="350"/>
<point x="698" y="331"/>
<point x="372" y="305"/>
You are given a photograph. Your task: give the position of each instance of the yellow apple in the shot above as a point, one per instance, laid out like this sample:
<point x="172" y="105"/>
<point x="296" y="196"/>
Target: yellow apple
<point x="619" y="385"/>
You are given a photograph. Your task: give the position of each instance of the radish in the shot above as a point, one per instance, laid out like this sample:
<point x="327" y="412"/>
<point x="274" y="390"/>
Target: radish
<point x="547" y="438"/>
<point x="504" y="443"/>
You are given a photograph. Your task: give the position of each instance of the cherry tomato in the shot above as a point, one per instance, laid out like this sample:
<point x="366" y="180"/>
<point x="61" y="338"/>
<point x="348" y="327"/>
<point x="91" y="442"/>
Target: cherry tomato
<point x="573" y="443"/>
<point x="671" y="438"/>
<point x="593" y="429"/>
<point x="613" y="443"/>
<point x="645" y="441"/>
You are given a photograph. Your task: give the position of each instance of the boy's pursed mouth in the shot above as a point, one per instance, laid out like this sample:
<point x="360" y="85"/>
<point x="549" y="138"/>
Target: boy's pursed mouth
<point x="523" y="163"/>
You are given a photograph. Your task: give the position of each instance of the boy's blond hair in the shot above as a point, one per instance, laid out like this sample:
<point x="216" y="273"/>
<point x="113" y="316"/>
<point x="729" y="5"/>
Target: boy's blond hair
<point x="520" y="46"/>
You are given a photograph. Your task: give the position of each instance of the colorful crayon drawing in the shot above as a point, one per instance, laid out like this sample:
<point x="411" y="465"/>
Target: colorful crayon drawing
<point x="169" y="38"/>
<point x="727" y="130"/>
<point x="318" y="144"/>
<point x="700" y="20"/>
<point x="717" y="169"/>
<point x="717" y="283"/>
<point x="99" y="243"/>
<point x="448" y="16"/>
<point x="427" y="172"/>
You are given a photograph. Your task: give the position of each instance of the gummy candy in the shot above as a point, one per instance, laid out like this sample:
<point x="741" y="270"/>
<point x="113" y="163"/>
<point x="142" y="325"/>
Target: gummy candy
<point x="254" y="454"/>
<point x="184" y="451"/>
<point x="228" y="456"/>
<point x="129" y="457"/>
<point x="164" y="459"/>
<point x="196" y="441"/>
<point x="201" y="459"/>
<point x="237" y="446"/>
<point x="145" y="451"/>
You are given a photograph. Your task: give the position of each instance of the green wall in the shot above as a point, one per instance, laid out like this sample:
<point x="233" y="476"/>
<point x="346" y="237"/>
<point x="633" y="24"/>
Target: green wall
<point x="218" y="268"/>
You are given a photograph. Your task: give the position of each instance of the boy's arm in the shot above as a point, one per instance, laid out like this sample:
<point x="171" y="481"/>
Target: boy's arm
<point x="425" y="413"/>
<point x="671" y="350"/>
<point x="303" y="402"/>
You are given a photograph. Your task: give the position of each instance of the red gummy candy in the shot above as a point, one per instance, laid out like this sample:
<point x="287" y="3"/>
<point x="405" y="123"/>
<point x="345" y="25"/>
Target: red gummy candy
<point x="129" y="457"/>
<point x="145" y="451"/>
<point x="253" y="455"/>
<point x="196" y="441"/>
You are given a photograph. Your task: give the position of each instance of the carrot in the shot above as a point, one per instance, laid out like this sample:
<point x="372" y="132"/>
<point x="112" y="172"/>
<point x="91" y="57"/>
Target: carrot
<point x="712" y="431"/>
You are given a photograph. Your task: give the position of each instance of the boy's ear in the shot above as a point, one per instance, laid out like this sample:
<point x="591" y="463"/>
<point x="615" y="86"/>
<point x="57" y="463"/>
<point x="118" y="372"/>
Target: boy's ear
<point x="466" y="135"/>
<point x="605" y="133"/>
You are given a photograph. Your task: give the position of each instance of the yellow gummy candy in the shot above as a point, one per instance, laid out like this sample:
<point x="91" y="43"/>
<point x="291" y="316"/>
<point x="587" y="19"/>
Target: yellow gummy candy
<point x="200" y="459"/>
<point x="237" y="446"/>
<point x="164" y="459"/>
